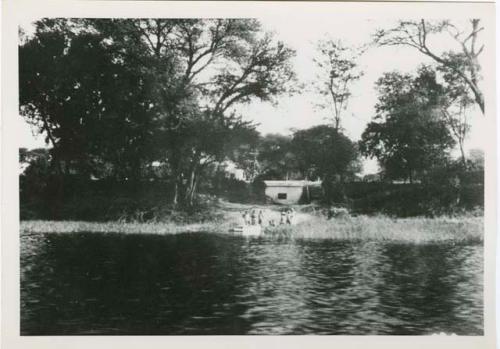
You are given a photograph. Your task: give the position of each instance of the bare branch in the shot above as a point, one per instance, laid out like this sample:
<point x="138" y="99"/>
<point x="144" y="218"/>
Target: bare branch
<point x="402" y="35"/>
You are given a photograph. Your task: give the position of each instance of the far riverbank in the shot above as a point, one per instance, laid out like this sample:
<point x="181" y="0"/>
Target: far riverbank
<point x="462" y="229"/>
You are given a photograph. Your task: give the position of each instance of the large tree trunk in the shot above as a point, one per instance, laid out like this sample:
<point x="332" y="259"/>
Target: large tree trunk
<point x="190" y="185"/>
<point x="191" y="188"/>
<point x="174" y="161"/>
<point x="175" y="194"/>
<point x="192" y="191"/>
<point x="462" y="153"/>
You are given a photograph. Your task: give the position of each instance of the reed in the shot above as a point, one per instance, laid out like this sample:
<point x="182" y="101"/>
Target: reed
<point x="382" y="228"/>
<point x="375" y="228"/>
<point x="120" y="227"/>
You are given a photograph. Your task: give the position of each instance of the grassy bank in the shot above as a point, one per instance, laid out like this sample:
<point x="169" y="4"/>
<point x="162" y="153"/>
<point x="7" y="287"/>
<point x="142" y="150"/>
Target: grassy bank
<point x="377" y="228"/>
<point x="120" y="227"/>
<point x="380" y="228"/>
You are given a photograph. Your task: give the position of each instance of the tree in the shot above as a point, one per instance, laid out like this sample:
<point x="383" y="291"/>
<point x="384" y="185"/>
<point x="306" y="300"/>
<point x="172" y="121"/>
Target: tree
<point x="90" y="105"/>
<point x="242" y="149"/>
<point x="338" y="70"/>
<point x="218" y="64"/>
<point x="324" y="152"/>
<point x="211" y="139"/>
<point x="156" y="85"/>
<point x="476" y="157"/>
<point x="464" y="62"/>
<point x="455" y="107"/>
<point x="35" y="161"/>
<point x="276" y="157"/>
<point x="408" y="135"/>
<point x="35" y="171"/>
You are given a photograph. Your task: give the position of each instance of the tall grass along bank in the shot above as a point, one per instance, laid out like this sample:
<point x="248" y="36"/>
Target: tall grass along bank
<point x="381" y="228"/>
<point x="378" y="228"/>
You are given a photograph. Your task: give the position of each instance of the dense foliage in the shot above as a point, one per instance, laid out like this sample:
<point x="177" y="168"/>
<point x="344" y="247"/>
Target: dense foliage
<point x="408" y="134"/>
<point x="141" y="112"/>
<point x="114" y="96"/>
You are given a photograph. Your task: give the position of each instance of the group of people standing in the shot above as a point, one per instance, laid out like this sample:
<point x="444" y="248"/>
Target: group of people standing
<point x="256" y="217"/>
<point x="253" y="217"/>
<point x="287" y="216"/>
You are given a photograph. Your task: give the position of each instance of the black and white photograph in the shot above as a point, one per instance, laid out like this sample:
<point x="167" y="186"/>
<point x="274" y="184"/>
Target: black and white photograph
<point x="271" y="173"/>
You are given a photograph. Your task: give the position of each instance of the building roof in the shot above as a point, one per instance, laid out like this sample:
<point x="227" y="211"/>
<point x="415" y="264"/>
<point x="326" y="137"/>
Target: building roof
<point x="300" y="183"/>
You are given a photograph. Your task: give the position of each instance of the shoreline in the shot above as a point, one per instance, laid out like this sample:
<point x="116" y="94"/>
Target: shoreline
<point x="373" y="228"/>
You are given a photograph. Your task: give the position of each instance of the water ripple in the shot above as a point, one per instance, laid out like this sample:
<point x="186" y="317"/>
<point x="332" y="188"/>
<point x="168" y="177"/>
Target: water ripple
<point x="205" y="284"/>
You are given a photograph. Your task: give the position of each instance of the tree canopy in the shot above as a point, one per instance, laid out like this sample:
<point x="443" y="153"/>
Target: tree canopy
<point x="131" y="91"/>
<point x="276" y="157"/>
<point x="324" y="152"/>
<point x="408" y="134"/>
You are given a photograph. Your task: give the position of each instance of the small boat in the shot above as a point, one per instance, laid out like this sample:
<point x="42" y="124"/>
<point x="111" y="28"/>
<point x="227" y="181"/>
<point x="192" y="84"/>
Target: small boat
<point x="248" y="230"/>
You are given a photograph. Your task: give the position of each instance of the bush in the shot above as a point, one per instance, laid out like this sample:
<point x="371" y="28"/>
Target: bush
<point x="406" y="200"/>
<point x="452" y="188"/>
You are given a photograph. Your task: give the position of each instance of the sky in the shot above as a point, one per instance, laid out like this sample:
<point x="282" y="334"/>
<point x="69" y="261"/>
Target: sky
<point x="300" y="111"/>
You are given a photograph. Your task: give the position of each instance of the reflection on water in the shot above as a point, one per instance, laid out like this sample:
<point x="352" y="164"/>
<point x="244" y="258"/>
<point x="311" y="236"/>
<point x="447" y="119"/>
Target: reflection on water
<point x="210" y="284"/>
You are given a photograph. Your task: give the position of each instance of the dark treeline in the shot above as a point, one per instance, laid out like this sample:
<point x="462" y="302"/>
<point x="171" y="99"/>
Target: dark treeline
<point x="114" y="96"/>
<point x="140" y="118"/>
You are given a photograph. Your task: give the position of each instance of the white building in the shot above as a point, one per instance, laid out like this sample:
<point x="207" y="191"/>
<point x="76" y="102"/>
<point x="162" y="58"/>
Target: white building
<point x="288" y="192"/>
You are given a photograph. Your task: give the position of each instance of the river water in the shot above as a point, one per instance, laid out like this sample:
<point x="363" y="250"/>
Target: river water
<point x="204" y="284"/>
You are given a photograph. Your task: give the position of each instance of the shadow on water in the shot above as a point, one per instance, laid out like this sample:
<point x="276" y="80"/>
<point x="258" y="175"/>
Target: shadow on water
<point x="214" y="284"/>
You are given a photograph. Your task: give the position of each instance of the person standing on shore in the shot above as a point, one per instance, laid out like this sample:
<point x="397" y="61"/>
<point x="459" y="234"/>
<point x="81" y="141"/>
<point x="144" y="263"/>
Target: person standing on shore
<point x="254" y="216"/>
<point x="246" y="218"/>
<point x="289" y="216"/>
<point x="260" y="217"/>
<point x="283" y="217"/>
